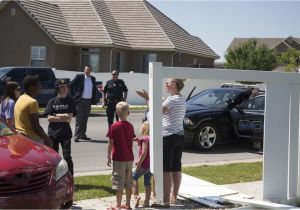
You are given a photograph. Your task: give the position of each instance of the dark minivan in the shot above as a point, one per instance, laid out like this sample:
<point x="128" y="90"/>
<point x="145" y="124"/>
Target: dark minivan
<point x="47" y="78"/>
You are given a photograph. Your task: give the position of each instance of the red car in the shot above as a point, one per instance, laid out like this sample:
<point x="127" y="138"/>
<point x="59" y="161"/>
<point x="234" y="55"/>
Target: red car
<point x="31" y="175"/>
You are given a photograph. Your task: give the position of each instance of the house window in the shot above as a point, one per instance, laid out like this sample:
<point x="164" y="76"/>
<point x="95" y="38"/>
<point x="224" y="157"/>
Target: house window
<point x="91" y="57"/>
<point x="13" y="11"/>
<point x="195" y="60"/>
<point x="38" y="56"/>
<point x="146" y="58"/>
<point x="120" y="62"/>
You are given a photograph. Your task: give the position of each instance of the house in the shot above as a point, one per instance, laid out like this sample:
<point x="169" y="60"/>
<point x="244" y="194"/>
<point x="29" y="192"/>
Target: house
<point x="279" y="44"/>
<point x="106" y="34"/>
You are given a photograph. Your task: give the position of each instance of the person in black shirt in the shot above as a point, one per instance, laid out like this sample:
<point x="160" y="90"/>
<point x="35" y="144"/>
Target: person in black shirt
<point x="115" y="91"/>
<point x="60" y="111"/>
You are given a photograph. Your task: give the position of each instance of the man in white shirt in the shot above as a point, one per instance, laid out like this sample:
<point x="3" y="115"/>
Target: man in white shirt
<point x="83" y="90"/>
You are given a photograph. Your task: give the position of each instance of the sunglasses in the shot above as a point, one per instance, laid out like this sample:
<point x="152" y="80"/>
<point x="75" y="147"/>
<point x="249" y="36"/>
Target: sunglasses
<point x="114" y="74"/>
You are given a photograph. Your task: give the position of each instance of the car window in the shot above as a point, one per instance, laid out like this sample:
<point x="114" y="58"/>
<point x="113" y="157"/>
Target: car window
<point x="257" y="103"/>
<point x="213" y="98"/>
<point x="43" y="74"/>
<point x="3" y="72"/>
<point x="17" y="75"/>
<point x="5" y="130"/>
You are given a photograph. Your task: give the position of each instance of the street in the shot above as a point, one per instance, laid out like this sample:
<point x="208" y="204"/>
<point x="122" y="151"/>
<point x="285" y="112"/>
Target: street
<point x="91" y="155"/>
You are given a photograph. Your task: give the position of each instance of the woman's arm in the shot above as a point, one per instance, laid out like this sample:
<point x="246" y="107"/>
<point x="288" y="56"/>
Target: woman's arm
<point x="145" y="96"/>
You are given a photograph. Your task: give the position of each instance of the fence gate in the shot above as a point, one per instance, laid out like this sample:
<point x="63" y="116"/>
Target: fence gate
<point x="281" y="130"/>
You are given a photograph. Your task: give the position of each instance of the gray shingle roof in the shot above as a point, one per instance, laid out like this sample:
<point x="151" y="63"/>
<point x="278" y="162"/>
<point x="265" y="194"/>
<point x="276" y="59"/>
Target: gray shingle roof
<point x="270" y="42"/>
<point x="180" y="38"/>
<point x="132" y="24"/>
<point x="50" y="19"/>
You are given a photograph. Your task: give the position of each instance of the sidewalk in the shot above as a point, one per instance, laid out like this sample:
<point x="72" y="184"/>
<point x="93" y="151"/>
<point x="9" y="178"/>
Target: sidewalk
<point x="253" y="189"/>
<point x="249" y="188"/>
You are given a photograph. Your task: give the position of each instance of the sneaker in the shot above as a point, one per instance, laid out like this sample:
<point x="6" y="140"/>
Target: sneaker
<point x="86" y="138"/>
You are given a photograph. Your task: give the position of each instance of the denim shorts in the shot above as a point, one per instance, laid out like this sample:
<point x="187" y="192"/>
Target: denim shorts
<point x="136" y="174"/>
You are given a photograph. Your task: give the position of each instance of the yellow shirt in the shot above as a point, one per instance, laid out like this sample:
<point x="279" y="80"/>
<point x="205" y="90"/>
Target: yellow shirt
<point x="24" y="107"/>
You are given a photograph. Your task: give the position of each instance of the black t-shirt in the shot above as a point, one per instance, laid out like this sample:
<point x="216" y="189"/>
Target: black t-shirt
<point x="60" y="106"/>
<point x="115" y="89"/>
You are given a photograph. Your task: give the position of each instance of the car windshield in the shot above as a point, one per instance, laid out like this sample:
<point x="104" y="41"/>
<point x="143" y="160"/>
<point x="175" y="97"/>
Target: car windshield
<point x="3" y="72"/>
<point x="5" y="130"/>
<point x="217" y="98"/>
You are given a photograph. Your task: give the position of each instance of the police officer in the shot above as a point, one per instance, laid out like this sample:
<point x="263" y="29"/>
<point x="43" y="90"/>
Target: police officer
<point x="115" y="91"/>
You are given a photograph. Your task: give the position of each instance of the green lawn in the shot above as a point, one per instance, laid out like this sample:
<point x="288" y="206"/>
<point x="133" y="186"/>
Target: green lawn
<point x="88" y="187"/>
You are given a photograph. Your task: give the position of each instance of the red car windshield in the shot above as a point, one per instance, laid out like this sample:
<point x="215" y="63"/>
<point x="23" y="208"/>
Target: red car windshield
<point x="5" y="130"/>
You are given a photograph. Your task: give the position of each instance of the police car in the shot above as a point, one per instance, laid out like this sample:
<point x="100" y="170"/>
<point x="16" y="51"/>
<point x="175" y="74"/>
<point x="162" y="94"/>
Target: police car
<point x="220" y="115"/>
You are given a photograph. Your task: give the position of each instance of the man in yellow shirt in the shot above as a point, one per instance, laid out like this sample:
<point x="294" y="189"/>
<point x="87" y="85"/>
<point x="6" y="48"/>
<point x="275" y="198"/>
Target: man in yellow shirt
<point x="27" y="113"/>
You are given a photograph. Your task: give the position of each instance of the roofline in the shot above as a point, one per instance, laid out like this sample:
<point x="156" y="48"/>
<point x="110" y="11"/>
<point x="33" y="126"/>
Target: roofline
<point x="284" y="42"/>
<point x="156" y="22"/>
<point x="112" y="45"/>
<point x="293" y="39"/>
<point x="40" y="25"/>
<point x="100" y="20"/>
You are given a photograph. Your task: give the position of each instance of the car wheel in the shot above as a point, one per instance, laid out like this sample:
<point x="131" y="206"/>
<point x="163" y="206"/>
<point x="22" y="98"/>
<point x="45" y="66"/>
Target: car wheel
<point x="67" y="205"/>
<point x="207" y="136"/>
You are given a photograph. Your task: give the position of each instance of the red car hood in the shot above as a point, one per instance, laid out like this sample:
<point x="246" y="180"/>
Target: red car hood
<point x="19" y="153"/>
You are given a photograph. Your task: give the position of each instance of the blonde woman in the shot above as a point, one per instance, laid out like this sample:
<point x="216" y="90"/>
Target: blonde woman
<point x="174" y="108"/>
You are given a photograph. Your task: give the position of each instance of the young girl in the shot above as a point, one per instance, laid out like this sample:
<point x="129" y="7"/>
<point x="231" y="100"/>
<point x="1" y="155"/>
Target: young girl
<point x="11" y="94"/>
<point x="143" y="167"/>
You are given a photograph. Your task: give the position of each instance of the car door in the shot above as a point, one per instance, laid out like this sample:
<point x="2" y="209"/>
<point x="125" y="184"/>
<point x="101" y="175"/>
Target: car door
<point x="16" y="75"/>
<point x="248" y="118"/>
<point x="47" y="84"/>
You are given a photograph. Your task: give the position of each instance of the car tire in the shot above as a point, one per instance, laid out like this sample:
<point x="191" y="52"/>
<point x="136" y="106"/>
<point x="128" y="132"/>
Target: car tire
<point x="207" y="137"/>
<point x="67" y="205"/>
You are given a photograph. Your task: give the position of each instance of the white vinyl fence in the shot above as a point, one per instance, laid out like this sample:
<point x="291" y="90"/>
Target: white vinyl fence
<point x="138" y="81"/>
<point x="281" y="130"/>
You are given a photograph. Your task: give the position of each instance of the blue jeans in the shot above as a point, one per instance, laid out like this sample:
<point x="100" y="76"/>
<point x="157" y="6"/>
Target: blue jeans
<point x="136" y="174"/>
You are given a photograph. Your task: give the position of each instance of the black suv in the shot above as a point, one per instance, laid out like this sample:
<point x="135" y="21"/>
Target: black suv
<point x="17" y="74"/>
<point x="213" y="116"/>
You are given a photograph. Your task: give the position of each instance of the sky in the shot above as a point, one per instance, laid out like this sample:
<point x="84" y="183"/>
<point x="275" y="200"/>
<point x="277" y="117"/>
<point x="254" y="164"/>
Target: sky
<point x="218" y="22"/>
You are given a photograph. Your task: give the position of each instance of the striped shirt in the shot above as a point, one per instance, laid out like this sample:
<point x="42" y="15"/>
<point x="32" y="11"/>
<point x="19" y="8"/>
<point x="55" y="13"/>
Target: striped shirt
<point x="172" y="121"/>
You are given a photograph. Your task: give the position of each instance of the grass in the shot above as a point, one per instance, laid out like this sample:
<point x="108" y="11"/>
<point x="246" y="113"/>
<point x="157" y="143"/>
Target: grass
<point x="227" y="174"/>
<point x="88" y="187"/>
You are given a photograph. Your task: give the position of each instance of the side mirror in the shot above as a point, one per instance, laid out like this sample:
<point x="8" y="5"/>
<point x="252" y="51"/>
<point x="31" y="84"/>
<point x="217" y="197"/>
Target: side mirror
<point x="240" y="109"/>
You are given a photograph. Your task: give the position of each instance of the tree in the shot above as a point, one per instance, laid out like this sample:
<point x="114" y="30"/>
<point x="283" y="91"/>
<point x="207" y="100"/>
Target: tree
<point x="290" y="59"/>
<point x="251" y="56"/>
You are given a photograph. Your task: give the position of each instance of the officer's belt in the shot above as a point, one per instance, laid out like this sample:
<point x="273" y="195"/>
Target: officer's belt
<point x="113" y="101"/>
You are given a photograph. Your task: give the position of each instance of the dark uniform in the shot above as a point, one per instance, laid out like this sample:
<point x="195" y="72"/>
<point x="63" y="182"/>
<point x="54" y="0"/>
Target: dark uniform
<point x="114" y="93"/>
<point x="61" y="132"/>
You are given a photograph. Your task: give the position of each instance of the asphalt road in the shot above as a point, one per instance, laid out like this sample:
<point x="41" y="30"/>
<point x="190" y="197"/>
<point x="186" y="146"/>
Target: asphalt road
<point x="91" y="155"/>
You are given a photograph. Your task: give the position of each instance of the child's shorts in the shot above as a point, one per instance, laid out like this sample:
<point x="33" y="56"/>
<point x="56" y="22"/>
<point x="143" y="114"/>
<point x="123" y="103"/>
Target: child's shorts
<point x="136" y="174"/>
<point x="121" y="175"/>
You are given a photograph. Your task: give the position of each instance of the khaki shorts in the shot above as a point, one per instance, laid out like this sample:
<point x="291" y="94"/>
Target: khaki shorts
<point x="121" y="175"/>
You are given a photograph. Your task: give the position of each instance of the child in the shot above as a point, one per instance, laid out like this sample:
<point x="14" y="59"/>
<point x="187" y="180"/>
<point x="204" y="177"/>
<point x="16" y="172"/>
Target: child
<point x="143" y="167"/>
<point x="121" y="136"/>
<point x="60" y="111"/>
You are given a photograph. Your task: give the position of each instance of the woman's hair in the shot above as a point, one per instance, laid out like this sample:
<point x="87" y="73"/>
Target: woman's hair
<point x="179" y="84"/>
<point x="145" y="129"/>
<point x="9" y="90"/>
